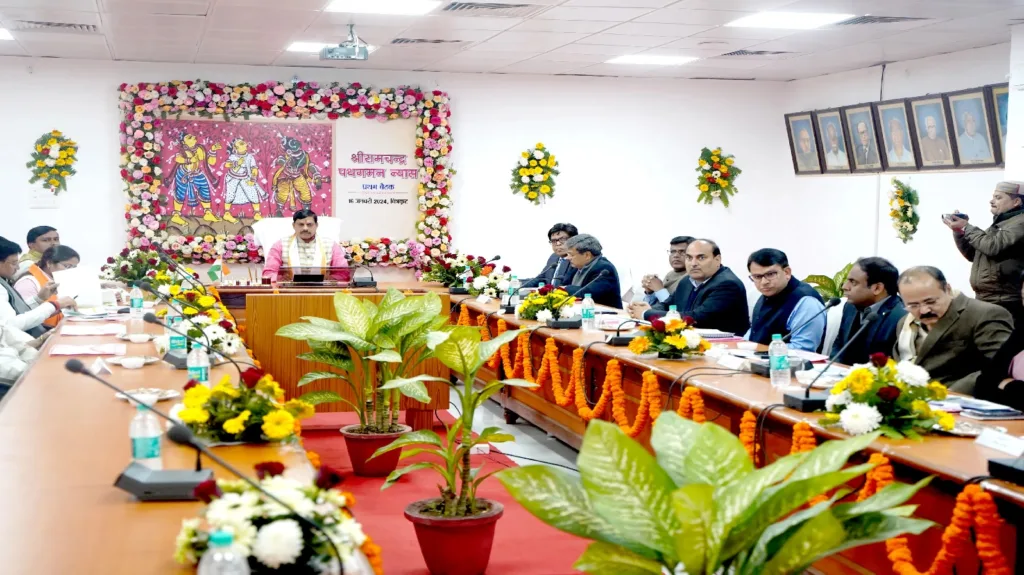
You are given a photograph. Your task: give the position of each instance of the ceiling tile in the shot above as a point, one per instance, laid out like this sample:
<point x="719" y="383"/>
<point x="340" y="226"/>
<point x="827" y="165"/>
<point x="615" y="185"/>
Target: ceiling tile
<point x="442" y="34"/>
<point x="179" y="7"/>
<point x="467" y="22"/>
<point x="685" y="52"/>
<point x="9" y="15"/>
<point x="556" y="56"/>
<point x="8" y="48"/>
<point x="750" y="5"/>
<point x="249" y="57"/>
<point x="610" y="51"/>
<point x="537" y="41"/>
<point x="693" y="17"/>
<point x="731" y="63"/>
<point x="238" y="18"/>
<point x="650" y="29"/>
<point x="745" y="33"/>
<point x="617" y="70"/>
<point x="153" y="26"/>
<point x="540" y="67"/>
<point x="627" y="40"/>
<point x="156" y="53"/>
<point x="593" y="14"/>
<point x="619" y="3"/>
<point x="720" y="44"/>
<point x="275" y="4"/>
<point x="342" y="20"/>
<point x="583" y="26"/>
<point x="63" y="45"/>
<point x="505" y="57"/>
<point x="80" y="5"/>
<point x="371" y="34"/>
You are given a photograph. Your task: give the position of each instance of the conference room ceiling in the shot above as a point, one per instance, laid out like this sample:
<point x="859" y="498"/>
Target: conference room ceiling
<point x="547" y="37"/>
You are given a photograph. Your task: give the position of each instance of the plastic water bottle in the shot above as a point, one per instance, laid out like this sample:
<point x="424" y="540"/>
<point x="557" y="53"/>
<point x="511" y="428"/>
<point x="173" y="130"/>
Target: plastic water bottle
<point x="135" y="299"/>
<point x="145" y="434"/>
<point x="672" y="314"/>
<point x="198" y="363"/>
<point x="221" y="558"/>
<point x="513" y="291"/>
<point x="778" y="362"/>
<point x="177" y="344"/>
<point x="589" y="318"/>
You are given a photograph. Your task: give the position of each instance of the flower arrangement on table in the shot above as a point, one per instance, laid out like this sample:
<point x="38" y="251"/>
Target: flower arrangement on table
<point x="887" y="396"/>
<point x="717" y="176"/>
<point x="547" y="303"/>
<point x="452" y="269"/>
<point x="534" y="174"/>
<point x="206" y="249"/>
<point x="270" y="535"/>
<point x="251" y="410"/>
<point x="131" y="265"/>
<point x="673" y="339"/>
<point x="53" y="161"/>
<point x="386" y="252"/>
<point x="490" y="281"/>
<point x="903" y="202"/>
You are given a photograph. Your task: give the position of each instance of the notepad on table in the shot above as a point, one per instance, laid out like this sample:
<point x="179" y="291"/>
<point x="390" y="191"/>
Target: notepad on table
<point x="96" y="349"/>
<point x="101" y="329"/>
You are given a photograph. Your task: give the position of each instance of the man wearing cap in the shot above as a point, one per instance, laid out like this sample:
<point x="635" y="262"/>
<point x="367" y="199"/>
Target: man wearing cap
<point x="997" y="253"/>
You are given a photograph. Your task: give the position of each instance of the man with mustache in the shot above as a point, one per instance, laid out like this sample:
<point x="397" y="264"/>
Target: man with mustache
<point x="950" y="335"/>
<point x="933" y="148"/>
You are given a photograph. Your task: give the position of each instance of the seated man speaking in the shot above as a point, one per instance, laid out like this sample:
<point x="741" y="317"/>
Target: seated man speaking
<point x="305" y="249"/>
<point x="595" y="275"/>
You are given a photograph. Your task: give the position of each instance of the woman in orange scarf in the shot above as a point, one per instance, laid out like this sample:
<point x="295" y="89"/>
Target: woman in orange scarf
<point x="40" y="275"/>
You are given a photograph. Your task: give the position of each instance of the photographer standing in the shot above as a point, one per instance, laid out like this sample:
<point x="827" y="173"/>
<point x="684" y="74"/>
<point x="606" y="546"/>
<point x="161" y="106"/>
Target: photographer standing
<point x="997" y="253"/>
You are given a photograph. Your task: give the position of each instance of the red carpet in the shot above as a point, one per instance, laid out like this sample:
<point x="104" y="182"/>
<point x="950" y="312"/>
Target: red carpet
<point x="523" y="545"/>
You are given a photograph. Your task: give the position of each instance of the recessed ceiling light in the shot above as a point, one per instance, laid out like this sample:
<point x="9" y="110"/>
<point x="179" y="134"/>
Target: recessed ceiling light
<point x="392" y="7"/>
<point x="788" y="20"/>
<point x="5" y="35"/>
<point x="652" y="60"/>
<point x="314" y="47"/>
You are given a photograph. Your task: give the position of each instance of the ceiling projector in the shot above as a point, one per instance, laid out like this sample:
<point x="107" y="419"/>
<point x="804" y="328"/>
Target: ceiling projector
<point x="351" y="49"/>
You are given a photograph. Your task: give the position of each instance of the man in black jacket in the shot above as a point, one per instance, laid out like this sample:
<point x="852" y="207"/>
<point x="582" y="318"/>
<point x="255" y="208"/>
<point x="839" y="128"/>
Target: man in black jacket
<point x="711" y="294"/>
<point x="595" y="275"/>
<point x="557" y="270"/>
<point x="871" y="286"/>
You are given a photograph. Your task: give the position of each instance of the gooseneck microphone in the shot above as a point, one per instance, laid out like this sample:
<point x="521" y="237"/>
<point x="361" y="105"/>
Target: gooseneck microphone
<point x="363" y="283"/>
<point x="828" y="305"/>
<point x="151" y="318"/>
<point x="619" y="340"/>
<point x="805" y="402"/>
<point x="183" y="436"/>
<point x="146" y="286"/>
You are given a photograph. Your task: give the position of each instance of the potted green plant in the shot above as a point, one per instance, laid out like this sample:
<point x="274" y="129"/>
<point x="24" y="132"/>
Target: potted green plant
<point x="373" y="348"/>
<point x="700" y="507"/>
<point x="455" y="530"/>
<point x="829" y="287"/>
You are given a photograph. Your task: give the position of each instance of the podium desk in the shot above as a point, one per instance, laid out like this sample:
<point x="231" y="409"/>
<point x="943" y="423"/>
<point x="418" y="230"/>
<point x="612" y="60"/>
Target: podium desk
<point x="267" y="312"/>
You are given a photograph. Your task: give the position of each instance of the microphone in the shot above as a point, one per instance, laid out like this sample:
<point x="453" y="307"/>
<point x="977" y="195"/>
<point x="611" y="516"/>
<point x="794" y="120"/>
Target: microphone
<point x="151" y="318"/>
<point x="170" y="303"/>
<point x="183" y="436"/>
<point x="176" y="268"/>
<point x="494" y="259"/>
<point x="618" y="340"/>
<point x="803" y="402"/>
<point x="363" y="283"/>
<point x="828" y="305"/>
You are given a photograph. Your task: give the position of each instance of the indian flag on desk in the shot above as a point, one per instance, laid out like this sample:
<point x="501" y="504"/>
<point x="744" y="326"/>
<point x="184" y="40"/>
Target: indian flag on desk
<point x="217" y="270"/>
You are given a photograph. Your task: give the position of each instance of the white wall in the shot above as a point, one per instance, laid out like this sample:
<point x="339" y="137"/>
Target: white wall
<point x="854" y="204"/>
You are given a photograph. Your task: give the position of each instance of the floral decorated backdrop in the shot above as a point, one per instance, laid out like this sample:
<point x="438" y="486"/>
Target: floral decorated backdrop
<point x="157" y="114"/>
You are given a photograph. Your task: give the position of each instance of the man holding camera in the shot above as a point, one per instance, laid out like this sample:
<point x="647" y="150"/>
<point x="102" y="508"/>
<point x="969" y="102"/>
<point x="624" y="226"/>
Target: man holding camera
<point x="997" y="253"/>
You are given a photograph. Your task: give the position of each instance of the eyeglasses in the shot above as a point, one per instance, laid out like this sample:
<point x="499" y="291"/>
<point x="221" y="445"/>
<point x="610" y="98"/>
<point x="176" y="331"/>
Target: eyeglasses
<point x="676" y="252"/>
<point x="758" y="278"/>
<point x="556" y="241"/>
<point x="914" y="306"/>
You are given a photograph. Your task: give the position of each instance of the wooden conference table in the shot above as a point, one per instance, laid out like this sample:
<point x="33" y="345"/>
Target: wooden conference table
<point x="952" y="460"/>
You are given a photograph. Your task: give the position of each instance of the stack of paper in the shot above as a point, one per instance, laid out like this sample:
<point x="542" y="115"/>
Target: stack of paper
<point x="98" y="349"/>
<point x="100" y="329"/>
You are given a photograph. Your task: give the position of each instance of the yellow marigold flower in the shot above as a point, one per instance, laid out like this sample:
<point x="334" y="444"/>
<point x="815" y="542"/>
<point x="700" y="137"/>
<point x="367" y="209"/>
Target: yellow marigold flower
<point x="189" y="310"/>
<point x="51" y="142"/>
<point x="543" y="162"/>
<point x="208" y="239"/>
<point x="545" y="189"/>
<point x="540" y="145"/>
<point x="194" y="415"/>
<point x="532" y="195"/>
<point x="236" y="425"/>
<point x="207" y="300"/>
<point x="938" y="390"/>
<point x="714" y="158"/>
<point x="524" y="189"/>
<point x="533" y="163"/>
<point x="526" y="154"/>
<point x="639" y="345"/>
<point x="675" y="325"/>
<point x="227" y="389"/>
<point x="921" y="406"/>
<point x="65" y="174"/>
<point x="946" y="421"/>
<point x="267" y="385"/>
<point x="300" y="409"/>
<point x="716" y="151"/>
<point x="839" y="387"/>
<point x="830" y="418"/>
<point x="676" y="341"/>
<point x="174" y="290"/>
<point x="54" y="183"/>
<point x="278" y="424"/>
<point x="860" y="380"/>
<point x="523" y="172"/>
<point x="197" y="396"/>
<point x="40" y="163"/>
<point x="703" y="187"/>
<point x="728" y="161"/>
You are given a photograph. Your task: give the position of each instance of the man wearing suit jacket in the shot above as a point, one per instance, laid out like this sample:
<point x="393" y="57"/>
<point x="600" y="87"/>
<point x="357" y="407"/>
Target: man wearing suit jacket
<point x="871" y="286"/>
<point x="658" y="291"/>
<point x="595" y="275"/>
<point x="557" y="270"/>
<point x="952" y="337"/>
<point x="711" y="294"/>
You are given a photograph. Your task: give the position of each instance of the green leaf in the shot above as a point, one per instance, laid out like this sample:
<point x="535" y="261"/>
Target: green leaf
<point x="384" y="341"/>
<point x="394" y="314"/>
<point x="877" y="527"/>
<point x="671" y="439"/>
<point x="315" y="398"/>
<point x="694" y="506"/>
<point x="889" y="496"/>
<point x="831" y="456"/>
<point x="386" y="356"/>
<point x="717" y="457"/>
<point x="421" y="437"/>
<point x="439" y="452"/>
<point x="398" y="473"/>
<point x="317" y="376"/>
<point x="494" y="435"/>
<point x="491" y="347"/>
<point x="557" y="498"/>
<point x="460" y="351"/>
<point x="413" y="387"/>
<point x="605" y="559"/>
<point x="321" y="322"/>
<point x="841" y="275"/>
<point x="391" y="297"/>
<point x="351" y="314"/>
<point x="430" y="308"/>
<point x="308" y="331"/>
<point x="625" y="485"/>
<point x="825" y="285"/>
<point x="817" y="535"/>
<point x="517" y="383"/>
<point x="332" y="359"/>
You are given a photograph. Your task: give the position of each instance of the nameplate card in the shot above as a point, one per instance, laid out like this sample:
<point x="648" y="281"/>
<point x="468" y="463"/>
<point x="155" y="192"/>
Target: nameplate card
<point x="100" y="367"/>
<point x="483" y="299"/>
<point x="732" y="362"/>
<point x="1004" y="442"/>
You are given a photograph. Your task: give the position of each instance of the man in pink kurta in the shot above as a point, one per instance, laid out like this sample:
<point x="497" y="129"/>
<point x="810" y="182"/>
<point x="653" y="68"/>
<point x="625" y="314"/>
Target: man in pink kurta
<point x="305" y="249"/>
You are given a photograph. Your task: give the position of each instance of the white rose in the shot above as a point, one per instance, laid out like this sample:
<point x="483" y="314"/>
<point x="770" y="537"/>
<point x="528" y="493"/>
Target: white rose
<point x="912" y="374"/>
<point x="49" y="162"/>
<point x="544" y="315"/>
<point x="835" y="400"/>
<point x="524" y="162"/>
<point x="693" y="338"/>
<point x="859" y="418"/>
<point x="278" y="543"/>
<point x="538" y="178"/>
<point x="567" y="312"/>
<point x="538" y="154"/>
<point x="480" y="282"/>
<point x="55" y="152"/>
<point x="526" y="179"/>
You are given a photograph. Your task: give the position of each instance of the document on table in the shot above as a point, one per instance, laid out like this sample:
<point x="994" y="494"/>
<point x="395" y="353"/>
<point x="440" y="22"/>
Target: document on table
<point x="98" y="349"/>
<point x="81" y="284"/>
<point x="101" y="329"/>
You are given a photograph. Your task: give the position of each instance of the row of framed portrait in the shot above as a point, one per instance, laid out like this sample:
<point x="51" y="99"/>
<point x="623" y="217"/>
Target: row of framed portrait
<point x="965" y="129"/>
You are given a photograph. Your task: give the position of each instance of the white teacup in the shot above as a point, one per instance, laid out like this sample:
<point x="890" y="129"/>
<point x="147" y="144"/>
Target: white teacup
<point x="747" y="345"/>
<point x="133" y="362"/>
<point x="138" y="338"/>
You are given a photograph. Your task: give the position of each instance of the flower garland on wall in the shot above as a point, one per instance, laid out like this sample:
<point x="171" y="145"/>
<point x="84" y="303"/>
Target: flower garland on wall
<point x="53" y="161"/>
<point x="143" y="106"/>
<point x="903" y="202"/>
<point x="534" y="174"/>
<point x="717" y="176"/>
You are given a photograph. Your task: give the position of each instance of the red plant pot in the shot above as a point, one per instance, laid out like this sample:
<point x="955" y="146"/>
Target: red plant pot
<point x="361" y="446"/>
<point x="455" y="545"/>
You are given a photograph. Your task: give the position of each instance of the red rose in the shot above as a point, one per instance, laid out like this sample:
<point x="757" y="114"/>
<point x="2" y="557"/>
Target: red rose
<point x="152" y="261"/>
<point x="124" y="253"/>
<point x="110" y="260"/>
<point x="481" y="260"/>
<point x="689" y="320"/>
<point x="226" y="324"/>
<point x="332" y="116"/>
<point x="251" y="376"/>
<point x="658" y="325"/>
<point x="712" y="180"/>
<point x="505" y="269"/>
<point x="715" y="166"/>
<point x="191" y="383"/>
<point x="269" y="469"/>
<point x="172" y="267"/>
<point x="124" y="269"/>
<point x="385" y="258"/>
<point x="879" y="359"/>
<point x="147" y="178"/>
<point x="468" y="257"/>
<point x="207" y="491"/>
<point x="328" y="477"/>
<point x="889" y="393"/>
<point x="190" y="296"/>
<point x="545" y="290"/>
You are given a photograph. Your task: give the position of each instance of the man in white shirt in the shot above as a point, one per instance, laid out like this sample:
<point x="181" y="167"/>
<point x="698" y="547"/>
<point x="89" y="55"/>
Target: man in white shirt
<point x="898" y="154"/>
<point x="15" y="311"/>
<point x="973" y="147"/>
<point x="835" y="157"/>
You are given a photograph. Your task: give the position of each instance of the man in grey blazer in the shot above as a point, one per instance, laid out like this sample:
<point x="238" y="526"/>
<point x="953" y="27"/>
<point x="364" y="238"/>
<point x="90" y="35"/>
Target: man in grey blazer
<point x="953" y="337"/>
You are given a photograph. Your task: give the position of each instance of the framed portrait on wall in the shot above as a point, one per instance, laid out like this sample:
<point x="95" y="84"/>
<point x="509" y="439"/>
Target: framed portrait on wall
<point x="1001" y="105"/>
<point x="862" y="139"/>
<point x="832" y="141"/>
<point x="936" y="146"/>
<point x="895" y="126"/>
<point x="974" y="128"/>
<point x="803" y="143"/>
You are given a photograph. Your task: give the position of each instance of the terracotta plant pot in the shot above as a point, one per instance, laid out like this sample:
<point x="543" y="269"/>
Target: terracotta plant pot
<point x="455" y="545"/>
<point x="361" y="446"/>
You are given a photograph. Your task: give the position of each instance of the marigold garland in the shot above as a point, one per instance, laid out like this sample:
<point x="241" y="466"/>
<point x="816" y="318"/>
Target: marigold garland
<point x="549" y="370"/>
<point x="314" y="459"/>
<point x="464" y="318"/>
<point x="748" y="429"/>
<point x="612" y="379"/>
<point x="648" y="411"/>
<point x="373" y="554"/>
<point x="804" y="440"/>
<point x="691" y="405"/>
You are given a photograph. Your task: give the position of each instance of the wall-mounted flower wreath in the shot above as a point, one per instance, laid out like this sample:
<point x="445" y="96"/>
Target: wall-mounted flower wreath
<point x="903" y="210"/>
<point x="534" y="174"/>
<point x="53" y="161"/>
<point x="717" y="176"/>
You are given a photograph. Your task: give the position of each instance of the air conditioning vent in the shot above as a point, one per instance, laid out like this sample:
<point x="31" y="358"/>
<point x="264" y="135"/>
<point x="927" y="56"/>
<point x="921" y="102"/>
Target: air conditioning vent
<point x="756" y="53"/>
<point x="493" y="9"/>
<point x="423" y="41"/>
<point x="37" y="26"/>
<point x="861" y="20"/>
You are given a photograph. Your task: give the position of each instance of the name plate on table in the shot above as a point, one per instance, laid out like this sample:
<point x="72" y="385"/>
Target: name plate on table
<point x="1004" y="442"/>
<point x="483" y="299"/>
